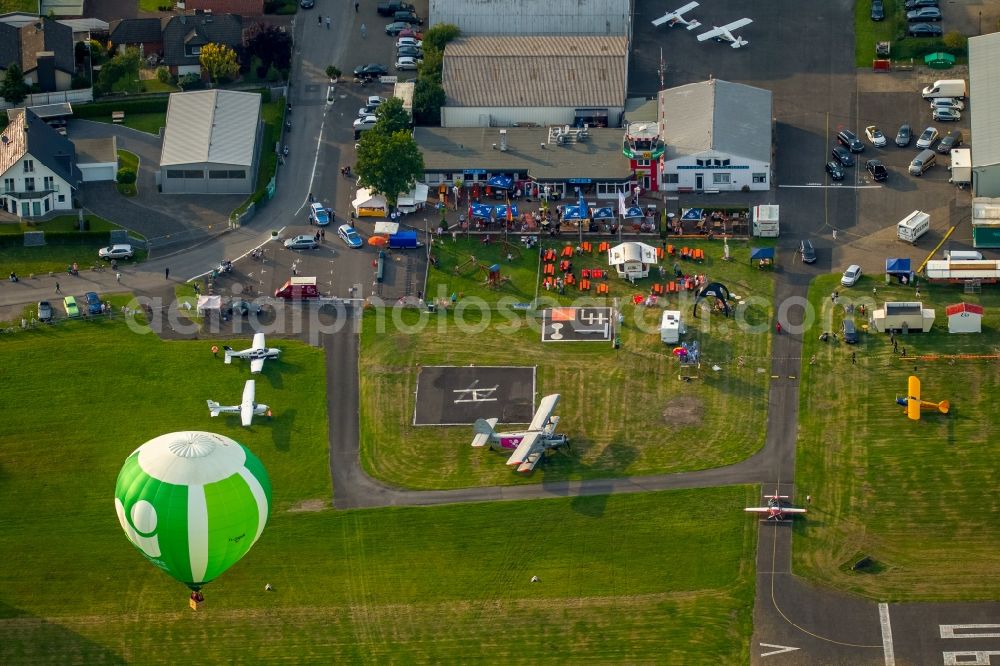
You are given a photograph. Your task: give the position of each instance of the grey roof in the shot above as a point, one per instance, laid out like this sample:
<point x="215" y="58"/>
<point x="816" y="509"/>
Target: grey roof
<point x="638" y="109"/>
<point x="89" y="151"/>
<point x="984" y="87"/>
<point x="198" y="30"/>
<point x="22" y="42"/>
<point x="28" y="134"/>
<point x="216" y="126"/>
<point x="451" y="149"/>
<point x="136" y="31"/>
<point x="731" y="118"/>
<point x="558" y="71"/>
<point x="44" y="111"/>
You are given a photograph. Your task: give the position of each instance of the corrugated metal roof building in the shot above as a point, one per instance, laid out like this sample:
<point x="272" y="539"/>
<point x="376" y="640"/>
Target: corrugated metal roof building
<point x="717" y="136"/>
<point x="984" y="89"/>
<point x="534" y="81"/>
<point x="211" y="143"/>
<point x="534" y="17"/>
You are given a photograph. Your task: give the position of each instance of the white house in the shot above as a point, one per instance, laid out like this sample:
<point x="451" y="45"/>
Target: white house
<point x="38" y="171"/>
<point x="632" y="260"/>
<point x="964" y="318"/>
<point x="717" y="137"/>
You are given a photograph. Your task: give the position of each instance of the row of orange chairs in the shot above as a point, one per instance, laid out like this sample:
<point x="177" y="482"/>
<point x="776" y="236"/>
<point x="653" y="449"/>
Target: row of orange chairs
<point x="674" y="286"/>
<point x="584" y="285"/>
<point x="596" y="273"/>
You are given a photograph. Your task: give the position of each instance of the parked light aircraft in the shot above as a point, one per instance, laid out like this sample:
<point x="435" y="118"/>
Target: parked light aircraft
<point x="257" y="353"/>
<point x="529" y="445"/>
<point x="246" y="409"/>
<point x="914" y="404"/>
<point x="777" y="508"/>
<point x="676" y="17"/>
<point x="725" y="33"/>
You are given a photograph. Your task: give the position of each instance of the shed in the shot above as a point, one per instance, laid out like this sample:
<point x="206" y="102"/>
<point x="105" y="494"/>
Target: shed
<point x="902" y="316"/>
<point x="671" y="326"/>
<point x="964" y="318"/>
<point x="632" y="259"/>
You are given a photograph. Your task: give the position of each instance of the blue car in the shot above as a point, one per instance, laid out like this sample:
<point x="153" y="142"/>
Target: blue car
<point x="94" y="305"/>
<point x="349" y="235"/>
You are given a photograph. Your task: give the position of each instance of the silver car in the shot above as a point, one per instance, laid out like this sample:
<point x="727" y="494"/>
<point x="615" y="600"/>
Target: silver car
<point x="303" y="242"/>
<point x="928" y="138"/>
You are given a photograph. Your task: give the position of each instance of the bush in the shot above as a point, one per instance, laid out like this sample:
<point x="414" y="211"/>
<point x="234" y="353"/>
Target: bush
<point x="333" y="72"/>
<point x="190" y="82"/>
<point x="955" y="41"/>
<point x="273" y="74"/>
<point x="163" y="75"/>
<point x="125" y="176"/>
<point x="156" y="104"/>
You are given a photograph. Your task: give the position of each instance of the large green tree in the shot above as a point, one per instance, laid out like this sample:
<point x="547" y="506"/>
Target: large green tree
<point x="439" y="35"/>
<point x="14" y="89"/>
<point x="391" y="117"/>
<point x="120" y="72"/>
<point x="271" y="45"/>
<point x="428" y="98"/>
<point x="389" y="163"/>
<point x="219" y="61"/>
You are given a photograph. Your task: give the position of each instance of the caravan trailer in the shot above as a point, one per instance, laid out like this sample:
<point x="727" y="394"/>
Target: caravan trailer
<point x="913" y="226"/>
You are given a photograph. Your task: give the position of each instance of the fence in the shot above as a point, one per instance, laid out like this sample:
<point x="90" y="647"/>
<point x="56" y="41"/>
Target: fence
<point x="82" y="95"/>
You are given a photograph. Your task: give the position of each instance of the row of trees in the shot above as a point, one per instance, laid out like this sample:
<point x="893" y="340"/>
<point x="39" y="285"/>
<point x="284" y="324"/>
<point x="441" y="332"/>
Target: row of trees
<point x="428" y="93"/>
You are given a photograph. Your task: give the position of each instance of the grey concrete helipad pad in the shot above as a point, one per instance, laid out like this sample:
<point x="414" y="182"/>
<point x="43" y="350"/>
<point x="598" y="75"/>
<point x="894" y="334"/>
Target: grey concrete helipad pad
<point x="455" y="395"/>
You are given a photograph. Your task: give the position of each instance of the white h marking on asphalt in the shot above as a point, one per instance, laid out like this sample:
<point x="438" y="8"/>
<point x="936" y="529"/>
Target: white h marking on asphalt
<point x="883" y="618"/>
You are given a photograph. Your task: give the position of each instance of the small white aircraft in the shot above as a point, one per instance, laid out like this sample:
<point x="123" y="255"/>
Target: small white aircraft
<point x="246" y="409"/>
<point x="529" y="445"/>
<point x="725" y="33"/>
<point x="676" y="17"/>
<point x="777" y="508"/>
<point x="257" y="353"/>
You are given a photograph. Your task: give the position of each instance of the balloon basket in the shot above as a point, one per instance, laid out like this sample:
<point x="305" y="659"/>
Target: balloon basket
<point x="195" y="605"/>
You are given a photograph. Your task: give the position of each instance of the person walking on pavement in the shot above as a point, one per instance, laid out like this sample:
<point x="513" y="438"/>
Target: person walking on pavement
<point x="118" y="276"/>
<point x="319" y="20"/>
<point x="327" y="22"/>
<point x="854" y="358"/>
<point x="166" y="273"/>
<point x="364" y="31"/>
<point x="58" y="291"/>
<point x="356" y="5"/>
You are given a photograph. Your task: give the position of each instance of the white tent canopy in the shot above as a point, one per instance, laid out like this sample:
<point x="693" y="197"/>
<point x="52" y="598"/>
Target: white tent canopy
<point x="209" y="303"/>
<point x="384" y="228"/>
<point x="368" y="204"/>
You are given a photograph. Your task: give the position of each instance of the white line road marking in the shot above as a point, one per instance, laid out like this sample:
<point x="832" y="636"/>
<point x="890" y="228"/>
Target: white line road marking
<point x="312" y="176"/>
<point x="781" y="649"/>
<point x="981" y="657"/>
<point x="883" y="617"/>
<point x="948" y="630"/>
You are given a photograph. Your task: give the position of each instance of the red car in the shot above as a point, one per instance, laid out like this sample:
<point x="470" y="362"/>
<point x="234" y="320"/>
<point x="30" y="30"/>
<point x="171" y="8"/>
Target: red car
<point x="410" y="32"/>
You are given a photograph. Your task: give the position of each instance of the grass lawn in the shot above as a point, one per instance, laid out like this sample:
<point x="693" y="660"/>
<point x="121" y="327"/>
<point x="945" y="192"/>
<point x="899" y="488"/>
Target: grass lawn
<point x="144" y="122"/>
<point x="154" y="85"/>
<point x="29" y="6"/>
<point x="625" y="411"/>
<point x="60" y="252"/>
<point x="919" y="497"/>
<point x="128" y="160"/>
<point x="892" y="29"/>
<point x="151" y="6"/>
<point x="626" y="579"/>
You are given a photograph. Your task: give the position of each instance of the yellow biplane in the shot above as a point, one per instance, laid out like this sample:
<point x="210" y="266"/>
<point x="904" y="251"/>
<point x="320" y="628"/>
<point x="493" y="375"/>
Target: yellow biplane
<point x="914" y="404"/>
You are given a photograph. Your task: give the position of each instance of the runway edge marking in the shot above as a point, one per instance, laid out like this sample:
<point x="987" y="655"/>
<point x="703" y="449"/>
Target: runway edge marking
<point x="883" y="618"/>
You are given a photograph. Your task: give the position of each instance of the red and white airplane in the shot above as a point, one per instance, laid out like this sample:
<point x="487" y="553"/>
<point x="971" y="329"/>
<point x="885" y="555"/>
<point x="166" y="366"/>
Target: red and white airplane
<point x="257" y="353"/>
<point x="676" y="17"/>
<point x="777" y="508"/>
<point x="529" y="445"/>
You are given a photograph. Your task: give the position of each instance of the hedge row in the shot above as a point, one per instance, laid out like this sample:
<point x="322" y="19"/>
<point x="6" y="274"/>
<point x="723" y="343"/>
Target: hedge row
<point x="61" y="238"/>
<point x="104" y="109"/>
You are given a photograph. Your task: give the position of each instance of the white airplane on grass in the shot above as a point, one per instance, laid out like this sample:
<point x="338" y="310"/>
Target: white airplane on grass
<point x="257" y="353"/>
<point x="676" y="17"/>
<point x="529" y="445"/>
<point x="246" y="409"/>
<point x="777" y="508"/>
<point x="725" y="33"/>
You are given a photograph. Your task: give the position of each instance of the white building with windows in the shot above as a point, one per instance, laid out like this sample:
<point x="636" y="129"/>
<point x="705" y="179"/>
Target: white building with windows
<point x="38" y="171"/>
<point x="717" y="137"/>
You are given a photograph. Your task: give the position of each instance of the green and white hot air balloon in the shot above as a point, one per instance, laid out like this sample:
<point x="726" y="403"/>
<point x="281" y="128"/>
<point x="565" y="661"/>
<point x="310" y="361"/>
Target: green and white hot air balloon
<point x="193" y="503"/>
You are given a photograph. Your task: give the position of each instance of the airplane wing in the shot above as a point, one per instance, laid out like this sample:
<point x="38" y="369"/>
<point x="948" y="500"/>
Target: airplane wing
<point x="530" y="462"/>
<point x="913" y="398"/>
<point x="757" y="509"/>
<point x="524" y="450"/>
<point x="676" y="14"/>
<point x="483" y="431"/>
<point x="256" y="365"/>
<point x="736" y="25"/>
<point x="246" y="407"/>
<point x="791" y="509"/>
<point x="544" y="411"/>
<point x="258" y="341"/>
<point x="711" y="34"/>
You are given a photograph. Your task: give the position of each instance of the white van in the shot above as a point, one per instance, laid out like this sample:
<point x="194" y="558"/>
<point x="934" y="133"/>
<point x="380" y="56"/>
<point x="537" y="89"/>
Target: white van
<point x="963" y="255"/>
<point x="913" y="226"/>
<point x="946" y="88"/>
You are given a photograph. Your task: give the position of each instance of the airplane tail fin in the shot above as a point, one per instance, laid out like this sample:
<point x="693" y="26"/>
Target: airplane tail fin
<point x="485" y="432"/>
<point x="229" y="358"/>
<point x="943" y="406"/>
<point x="213" y="407"/>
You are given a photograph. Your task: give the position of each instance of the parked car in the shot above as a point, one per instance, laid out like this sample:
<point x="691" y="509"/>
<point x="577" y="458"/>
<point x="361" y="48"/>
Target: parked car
<point x="370" y="71"/>
<point x="69" y="304"/>
<point x="408" y="16"/>
<point x="242" y="308"/>
<point x="878" y="10"/>
<point x="396" y="28"/>
<point x="835" y="170"/>
<point x="44" y="311"/>
<point x="349" y="235"/>
<point x="119" y="251"/>
<point x="94" y="305"/>
<point x="318" y="214"/>
<point x="375" y="101"/>
<point x="407" y="63"/>
<point x="390" y="8"/>
<point x="409" y="51"/>
<point x="365" y="123"/>
<point x="850" y="331"/>
<point x="409" y="41"/>
<point x="367" y="111"/>
<point x="303" y="242"/>
<point x="947" y="103"/>
<point x="410" y="31"/>
<point x="877" y="170"/>
<point x="923" y="15"/>
<point x="944" y="114"/>
<point x="842" y="155"/>
<point x="851" y="275"/>
<point x="851" y="140"/>
<point x="924" y="30"/>
<point x="904" y="135"/>
<point x="307" y="4"/>
<point x="953" y="139"/>
<point x="928" y="138"/>
<point x="875" y="135"/>
<point x="917" y="4"/>
<point x="807" y="251"/>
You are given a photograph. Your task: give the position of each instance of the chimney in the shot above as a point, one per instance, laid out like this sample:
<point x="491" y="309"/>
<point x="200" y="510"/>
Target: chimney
<point x="503" y="140"/>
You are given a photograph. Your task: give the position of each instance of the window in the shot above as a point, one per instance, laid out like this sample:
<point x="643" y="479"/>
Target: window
<point x="194" y="50"/>
<point x="29" y="166"/>
<point x="191" y="173"/>
<point x="240" y="175"/>
<point x="671" y="178"/>
<point x="186" y="173"/>
<point x="720" y="178"/>
<point x="47" y="183"/>
<point x="175" y="173"/>
<point x="8" y="184"/>
<point x="62" y="198"/>
<point x="642" y="163"/>
<point x="47" y="205"/>
<point x="215" y="175"/>
<point x="29" y="184"/>
<point x="699" y="163"/>
<point x="760" y="178"/>
<point x="725" y="162"/>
